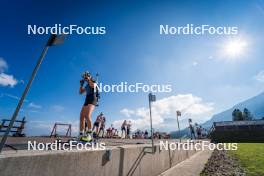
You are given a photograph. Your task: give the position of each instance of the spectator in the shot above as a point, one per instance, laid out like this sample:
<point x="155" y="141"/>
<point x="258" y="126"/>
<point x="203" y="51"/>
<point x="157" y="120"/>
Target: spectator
<point x="110" y="131"/>
<point x="146" y="134"/>
<point x="192" y="131"/>
<point x="97" y="123"/>
<point x="123" y="129"/>
<point x="199" y="132"/>
<point x="128" y="129"/>
<point x="102" y="126"/>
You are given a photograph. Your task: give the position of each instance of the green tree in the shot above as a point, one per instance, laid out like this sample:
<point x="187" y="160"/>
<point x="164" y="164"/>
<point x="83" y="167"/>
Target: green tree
<point x="247" y="114"/>
<point x="234" y="115"/>
<point x="237" y="115"/>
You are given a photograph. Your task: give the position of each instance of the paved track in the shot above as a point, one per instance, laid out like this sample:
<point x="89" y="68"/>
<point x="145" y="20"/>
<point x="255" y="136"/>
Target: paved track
<point x="190" y="167"/>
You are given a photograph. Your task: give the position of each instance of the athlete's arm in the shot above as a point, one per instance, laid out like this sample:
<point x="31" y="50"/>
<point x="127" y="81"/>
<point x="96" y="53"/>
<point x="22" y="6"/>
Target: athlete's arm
<point x="81" y="90"/>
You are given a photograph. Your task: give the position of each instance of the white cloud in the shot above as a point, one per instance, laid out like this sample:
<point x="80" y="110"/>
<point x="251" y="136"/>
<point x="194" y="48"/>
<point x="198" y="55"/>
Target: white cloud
<point x="195" y="63"/>
<point x="210" y="57"/>
<point x="34" y="111"/>
<point x="7" y="80"/>
<point x="190" y="106"/>
<point x="260" y="76"/>
<point x="33" y="105"/>
<point x="127" y="112"/>
<point x="57" y="108"/>
<point x="3" y="65"/>
<point x="12" y="96"/>
<point x="47" y="126"/>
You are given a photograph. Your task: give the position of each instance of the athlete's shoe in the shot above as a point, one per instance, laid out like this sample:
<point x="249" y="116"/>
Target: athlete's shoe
<point x="87" y="138"/>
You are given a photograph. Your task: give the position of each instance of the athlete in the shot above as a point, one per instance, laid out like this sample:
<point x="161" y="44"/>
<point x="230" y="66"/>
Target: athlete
<point x="97" y="123"/>
<point x="102" y="127"/>
<point x="88" y="106"/>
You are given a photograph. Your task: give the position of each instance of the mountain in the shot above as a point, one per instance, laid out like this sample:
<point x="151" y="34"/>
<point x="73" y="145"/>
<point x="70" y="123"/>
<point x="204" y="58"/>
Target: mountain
<point x="255" y="105"/>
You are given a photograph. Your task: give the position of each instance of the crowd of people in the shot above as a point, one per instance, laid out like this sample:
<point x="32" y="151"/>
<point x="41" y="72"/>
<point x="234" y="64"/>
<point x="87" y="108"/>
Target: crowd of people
<point x="141" y="134"/>
<point x="125" y="131"/>
<point x="196" y="131"/>
<point x="99" y="128"/>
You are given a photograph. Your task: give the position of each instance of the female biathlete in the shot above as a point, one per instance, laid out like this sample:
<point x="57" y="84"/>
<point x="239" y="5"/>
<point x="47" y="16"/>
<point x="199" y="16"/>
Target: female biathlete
<point x="90" y="102"/>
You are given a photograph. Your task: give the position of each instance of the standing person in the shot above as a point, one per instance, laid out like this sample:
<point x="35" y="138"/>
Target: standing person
<point x="123" y="128"/>
<point x="128" y="129"/>
<point x="88" y="106"/>
<point x="199" y="132"/>
<point x="108" y="134"/>
<point x="192" y="131"/>
<point x="97" y="123"/>
<point x="115" y="133"/>
<point x="102" y="126"/>
<point x="110" y="131"/>
<point x="146" y="134"/>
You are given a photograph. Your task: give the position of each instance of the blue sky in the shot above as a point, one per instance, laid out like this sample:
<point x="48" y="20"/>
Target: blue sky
<point x="202" y="74"/>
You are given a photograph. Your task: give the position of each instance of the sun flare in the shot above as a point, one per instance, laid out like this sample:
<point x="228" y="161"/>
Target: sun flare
<point x="235" y="48"/>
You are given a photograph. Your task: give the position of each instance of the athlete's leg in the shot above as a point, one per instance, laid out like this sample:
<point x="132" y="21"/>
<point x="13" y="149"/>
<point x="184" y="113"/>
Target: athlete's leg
<point x="93" y="127"/>
<point x="90" y="109"/>
<point x="82" y="118"/>
<point x="102" y="129"/>
<point x="103" y="133"/>
<point x="98" y="128"/>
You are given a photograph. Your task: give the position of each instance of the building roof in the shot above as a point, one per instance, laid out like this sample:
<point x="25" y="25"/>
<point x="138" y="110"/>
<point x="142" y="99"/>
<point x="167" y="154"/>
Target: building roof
<point x="239" y="123"/>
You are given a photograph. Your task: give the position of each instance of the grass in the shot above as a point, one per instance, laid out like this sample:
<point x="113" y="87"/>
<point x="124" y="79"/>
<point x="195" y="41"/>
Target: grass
<point x="251" y="157"/>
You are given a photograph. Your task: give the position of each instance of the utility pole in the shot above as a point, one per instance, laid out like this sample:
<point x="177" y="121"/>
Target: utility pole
<point x="152" y="98"/>
<point x="178" y="113"/>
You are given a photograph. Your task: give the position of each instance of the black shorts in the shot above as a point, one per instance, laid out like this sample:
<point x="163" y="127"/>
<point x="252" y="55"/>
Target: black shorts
<point x="96" y="124"/>
<point x="123" y="128"/>
<point x="90" y="99"/>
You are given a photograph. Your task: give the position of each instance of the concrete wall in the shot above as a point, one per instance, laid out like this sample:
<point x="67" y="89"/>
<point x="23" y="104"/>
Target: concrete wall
<point x="124" y="161"/>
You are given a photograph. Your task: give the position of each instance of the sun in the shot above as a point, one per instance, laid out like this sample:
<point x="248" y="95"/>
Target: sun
<point x="235" y="48"/>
